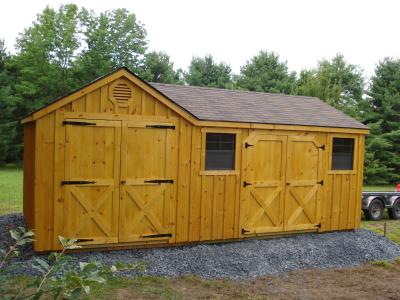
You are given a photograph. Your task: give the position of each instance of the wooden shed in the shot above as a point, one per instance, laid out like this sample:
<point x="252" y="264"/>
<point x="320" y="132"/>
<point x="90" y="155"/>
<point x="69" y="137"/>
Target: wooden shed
<point x="122" y="162"/>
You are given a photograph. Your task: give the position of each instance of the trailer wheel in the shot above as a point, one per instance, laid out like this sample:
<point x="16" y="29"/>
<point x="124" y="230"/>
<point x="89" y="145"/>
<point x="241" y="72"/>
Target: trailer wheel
<point x="375" y="210"/>
<point x="394" y="211"/>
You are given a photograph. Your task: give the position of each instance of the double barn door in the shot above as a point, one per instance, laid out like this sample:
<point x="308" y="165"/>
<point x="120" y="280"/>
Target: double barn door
<point x="117" y="181"/>
<point x="282" y="182"/>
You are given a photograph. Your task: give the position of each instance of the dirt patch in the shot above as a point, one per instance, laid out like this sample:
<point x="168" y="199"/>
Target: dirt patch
<point x="378" y="281"/>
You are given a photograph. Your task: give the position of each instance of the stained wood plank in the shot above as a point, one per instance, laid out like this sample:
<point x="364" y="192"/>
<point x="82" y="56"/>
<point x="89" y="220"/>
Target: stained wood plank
<point x="44" y="184"/>
<point x="230" y="199"/>
<point x="344" y="203"/>
<point x="195" y="187"/>
<point x="29" y="173"/>
<point x="185" y="139"/>
<point x="218" y="207"/>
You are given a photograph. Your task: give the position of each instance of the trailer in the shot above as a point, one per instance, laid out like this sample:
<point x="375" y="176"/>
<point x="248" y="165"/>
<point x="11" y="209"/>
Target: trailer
<point x="375" y="203"/>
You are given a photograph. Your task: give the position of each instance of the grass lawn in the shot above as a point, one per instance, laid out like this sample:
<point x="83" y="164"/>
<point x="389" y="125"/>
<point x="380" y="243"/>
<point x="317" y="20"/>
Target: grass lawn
<point x="10" y="189"/>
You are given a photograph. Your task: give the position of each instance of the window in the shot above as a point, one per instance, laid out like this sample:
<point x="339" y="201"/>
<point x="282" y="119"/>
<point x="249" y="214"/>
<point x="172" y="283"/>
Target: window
<point x="220" y="151"/>
<point x="342" y="154"/>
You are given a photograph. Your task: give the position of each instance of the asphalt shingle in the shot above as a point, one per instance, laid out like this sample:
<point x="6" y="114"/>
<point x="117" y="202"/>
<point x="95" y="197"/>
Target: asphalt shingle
<point x="213" y="104"/>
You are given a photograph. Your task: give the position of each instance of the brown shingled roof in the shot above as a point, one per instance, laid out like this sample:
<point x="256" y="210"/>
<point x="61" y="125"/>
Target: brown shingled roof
<point x="213" y="104"/>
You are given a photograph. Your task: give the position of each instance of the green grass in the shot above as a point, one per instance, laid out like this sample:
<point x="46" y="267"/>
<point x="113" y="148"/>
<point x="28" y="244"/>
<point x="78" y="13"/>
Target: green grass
<point x="392" y="227"/>
<point x="380" y="188"/>
<point x="10" y="189"/>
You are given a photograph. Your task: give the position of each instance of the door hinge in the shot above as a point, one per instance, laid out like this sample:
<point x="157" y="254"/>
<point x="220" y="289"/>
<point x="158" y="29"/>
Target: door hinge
<point x="159" y="181"/>
<point x="76" y="182"/>
<point x="320" y="182"/>
<point x="78" y="123"/>
<point x="84" y="240"/>
<point x="245" y="183"/>
<point x="161" y="126"/>
<point x="318" y="225"/>
<point x="244" y="231"/>
<point x="157" y="235"/>
<point x="321" y="147"/>
<point x="247" y="145"/>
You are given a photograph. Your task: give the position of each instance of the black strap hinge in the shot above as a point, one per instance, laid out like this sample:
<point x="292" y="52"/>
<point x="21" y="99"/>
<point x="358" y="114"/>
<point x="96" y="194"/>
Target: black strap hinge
<point x="320" y="182"/>
<point x="159" y="181"/>
<point x="66" y="182"/>
<point x="157" y="235"/>
<point x="161" y="126"/>
<point x="247" y="145"/>
<point x="78" y="123"/>
<point x="84" y="240"/>
<point x="245" y="183"/>
<point x="321" y="147"/>
<point x="244" y="231"/>
<point x="318" y="225"/>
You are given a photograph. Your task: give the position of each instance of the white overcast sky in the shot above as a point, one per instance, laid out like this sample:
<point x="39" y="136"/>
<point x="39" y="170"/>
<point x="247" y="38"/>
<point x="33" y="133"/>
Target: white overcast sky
<point x="301" y="32"/>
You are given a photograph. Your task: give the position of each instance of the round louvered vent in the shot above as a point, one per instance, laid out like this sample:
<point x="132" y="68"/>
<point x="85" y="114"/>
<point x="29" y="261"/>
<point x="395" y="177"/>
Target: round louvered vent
<point x="122" y="92"/>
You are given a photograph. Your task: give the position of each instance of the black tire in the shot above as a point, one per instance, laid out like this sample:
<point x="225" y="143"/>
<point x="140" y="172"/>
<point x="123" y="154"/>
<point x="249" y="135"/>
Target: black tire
<point x="394" y="211"/>
<point x="375" y="210"/>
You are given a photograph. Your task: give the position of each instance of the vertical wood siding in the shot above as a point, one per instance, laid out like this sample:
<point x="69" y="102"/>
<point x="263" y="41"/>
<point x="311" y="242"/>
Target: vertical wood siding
<point x="204" y="206"/>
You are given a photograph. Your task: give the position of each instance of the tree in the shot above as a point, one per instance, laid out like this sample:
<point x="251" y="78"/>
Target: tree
<point x="337" y="82"/>
<point x="204" y="71"/>
<point x="266" y="73"/>
<point x="383" y="117"/>
<point x="8" y="148"/>
<point x="113" y="39"/>
<point x="159" y="68"/>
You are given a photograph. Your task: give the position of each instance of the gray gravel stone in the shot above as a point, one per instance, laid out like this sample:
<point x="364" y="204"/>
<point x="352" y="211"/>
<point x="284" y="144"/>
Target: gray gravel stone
<point x="237" y="260"/>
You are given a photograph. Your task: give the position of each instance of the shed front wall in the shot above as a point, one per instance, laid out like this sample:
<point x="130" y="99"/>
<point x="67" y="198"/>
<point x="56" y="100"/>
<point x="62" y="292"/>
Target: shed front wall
<point x="202" y="205"/>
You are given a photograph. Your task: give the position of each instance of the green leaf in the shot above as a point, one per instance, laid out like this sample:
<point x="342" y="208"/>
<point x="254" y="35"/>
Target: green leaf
<point x="42" y="263"/>
<point x="15" y="234"/>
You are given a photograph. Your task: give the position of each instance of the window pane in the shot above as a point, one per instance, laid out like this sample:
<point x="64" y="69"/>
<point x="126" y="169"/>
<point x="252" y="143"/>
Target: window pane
<point x="220" y="151"/>
<point x="342" y="154"/>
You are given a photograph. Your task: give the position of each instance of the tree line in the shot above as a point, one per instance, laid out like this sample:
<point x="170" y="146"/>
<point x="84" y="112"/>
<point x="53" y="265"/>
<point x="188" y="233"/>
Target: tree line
<point x="68" y="47"/>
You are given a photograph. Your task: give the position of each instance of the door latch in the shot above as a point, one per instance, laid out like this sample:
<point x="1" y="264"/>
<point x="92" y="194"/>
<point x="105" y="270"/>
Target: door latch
<point x="245" y="183"/>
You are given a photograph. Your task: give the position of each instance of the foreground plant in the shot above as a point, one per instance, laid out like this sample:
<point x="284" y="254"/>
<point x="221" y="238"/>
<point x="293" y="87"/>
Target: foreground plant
<point x="59" y="279"/>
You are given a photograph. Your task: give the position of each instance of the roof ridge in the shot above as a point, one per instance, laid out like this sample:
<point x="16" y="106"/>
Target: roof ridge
<point x="232" y="90"/>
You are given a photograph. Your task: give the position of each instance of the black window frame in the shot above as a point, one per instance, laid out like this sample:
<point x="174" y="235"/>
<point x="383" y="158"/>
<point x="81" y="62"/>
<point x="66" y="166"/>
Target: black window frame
<point x="343" y="153"/>
<point x="218" y="145"/>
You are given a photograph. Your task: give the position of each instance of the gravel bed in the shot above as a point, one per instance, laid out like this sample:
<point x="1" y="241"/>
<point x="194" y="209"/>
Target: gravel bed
<point x="237" y="260"/>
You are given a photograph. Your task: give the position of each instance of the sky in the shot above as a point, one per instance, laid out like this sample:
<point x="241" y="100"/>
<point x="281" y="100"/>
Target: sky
<point x="302" y="32"/>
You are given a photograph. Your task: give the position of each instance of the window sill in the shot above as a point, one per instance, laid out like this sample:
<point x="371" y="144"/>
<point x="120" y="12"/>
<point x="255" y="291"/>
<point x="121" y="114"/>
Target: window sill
<point x="219" y="172"/>
<point x="343" y="172"/>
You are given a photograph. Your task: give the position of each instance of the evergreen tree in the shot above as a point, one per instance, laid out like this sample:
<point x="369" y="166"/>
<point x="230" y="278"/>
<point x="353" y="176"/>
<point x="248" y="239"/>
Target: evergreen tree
<point x="9" y="149"/>
<point x="266" y="73"/>
<point x="383" y="117"/>
<point x="204" y="71"/>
